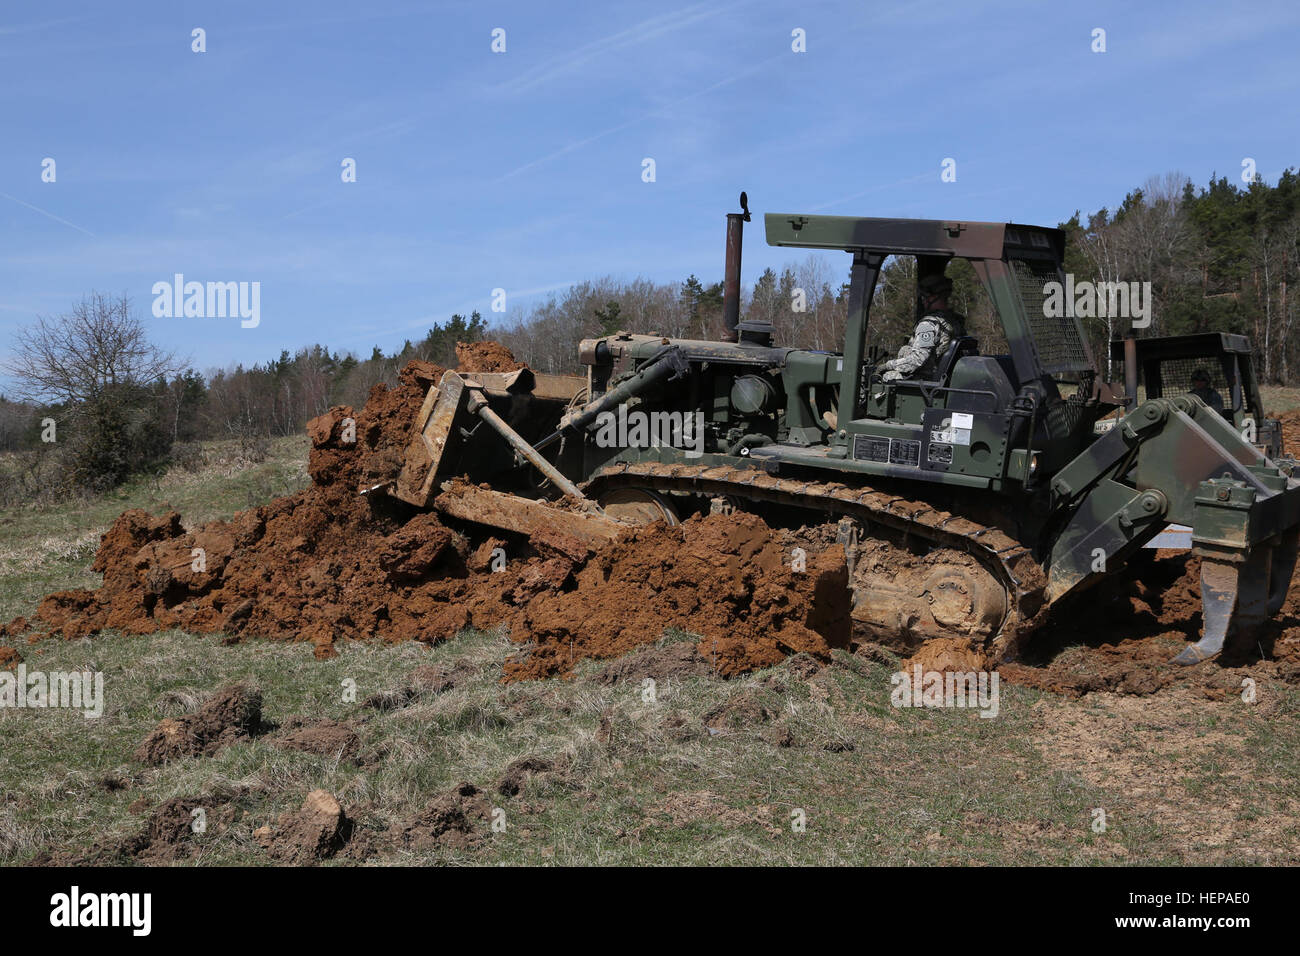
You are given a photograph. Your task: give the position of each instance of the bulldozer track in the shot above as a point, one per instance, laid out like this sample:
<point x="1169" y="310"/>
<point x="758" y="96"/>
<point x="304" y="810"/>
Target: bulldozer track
<point x="1009" y="560"/>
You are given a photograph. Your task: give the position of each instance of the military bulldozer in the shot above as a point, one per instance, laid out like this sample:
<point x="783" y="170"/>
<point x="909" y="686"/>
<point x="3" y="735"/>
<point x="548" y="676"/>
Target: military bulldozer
<point x="969" y="498"/>
<point x="1167" y="365"/>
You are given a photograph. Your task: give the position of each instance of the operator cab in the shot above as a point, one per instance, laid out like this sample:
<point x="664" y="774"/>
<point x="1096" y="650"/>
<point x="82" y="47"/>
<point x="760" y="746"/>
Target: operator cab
<point x="966" y="418"/>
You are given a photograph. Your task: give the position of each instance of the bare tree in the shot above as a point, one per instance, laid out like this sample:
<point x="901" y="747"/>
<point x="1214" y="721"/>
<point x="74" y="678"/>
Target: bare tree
<point x="98" y="364"/>
<point x="80" y="355"/>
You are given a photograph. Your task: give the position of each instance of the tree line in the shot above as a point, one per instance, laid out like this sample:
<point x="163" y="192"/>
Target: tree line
<point x="1222" y="257"/>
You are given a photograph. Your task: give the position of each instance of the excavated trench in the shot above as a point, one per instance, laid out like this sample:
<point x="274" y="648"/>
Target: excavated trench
<point x="327" y="565"/>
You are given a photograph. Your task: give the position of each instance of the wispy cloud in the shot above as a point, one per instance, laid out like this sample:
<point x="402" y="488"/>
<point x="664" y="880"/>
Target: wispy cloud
<point x="573" y="60"/>
<point x="657" y="112"/>
<point x="48" y="214"/>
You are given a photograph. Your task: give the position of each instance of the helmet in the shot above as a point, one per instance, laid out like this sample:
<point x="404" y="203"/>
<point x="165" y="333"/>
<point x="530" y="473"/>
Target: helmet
<point x="935" y="284"/>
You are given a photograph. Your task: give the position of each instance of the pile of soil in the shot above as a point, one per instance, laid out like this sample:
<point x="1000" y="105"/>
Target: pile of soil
<point x="726" y="577"/>
<point x="486" y="357"/>
<point x="1290" y="431"/>
<point x="328" y="564"/>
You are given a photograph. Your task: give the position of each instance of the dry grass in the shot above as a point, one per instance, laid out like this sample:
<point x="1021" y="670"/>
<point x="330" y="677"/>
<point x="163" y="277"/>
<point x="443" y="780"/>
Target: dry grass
<point x="662" y="781"/>
<point x="709" y="771"/>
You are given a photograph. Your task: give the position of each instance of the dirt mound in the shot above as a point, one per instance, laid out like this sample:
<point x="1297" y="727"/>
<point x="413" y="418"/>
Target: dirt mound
<point x="486" y="357"/>
<point x="453" y="819"/>
<point x="315" y="566"/>
<point x="725" y="578"/>
<point x="234" y="712"/>
<point x="328" y="564"/>
<point x="168" y="834"/>
<point x="316" y="832"/>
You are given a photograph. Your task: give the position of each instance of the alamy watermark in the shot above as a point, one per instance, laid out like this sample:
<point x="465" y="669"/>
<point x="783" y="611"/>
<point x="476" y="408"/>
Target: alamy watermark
<point x="130" y="910"/>
<point x="1087" y="299"/>
<point x="637" y="429"/>
<point x="212" y="300"/>
<point x="977" y="690"/>
<point x="37" y="690"/>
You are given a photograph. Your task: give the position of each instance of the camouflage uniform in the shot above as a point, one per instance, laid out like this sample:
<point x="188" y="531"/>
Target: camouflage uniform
<point x="930" y="339"/>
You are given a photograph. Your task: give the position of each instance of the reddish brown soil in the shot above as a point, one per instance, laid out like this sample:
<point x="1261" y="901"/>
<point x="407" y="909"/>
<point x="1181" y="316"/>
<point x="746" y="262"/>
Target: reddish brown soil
<point x="1120" y="636"/>
<point x="328" y="564"/>
<point x="718" y="576"/>
<point x="485" y="357"/>
<point x="1290" y="431"/>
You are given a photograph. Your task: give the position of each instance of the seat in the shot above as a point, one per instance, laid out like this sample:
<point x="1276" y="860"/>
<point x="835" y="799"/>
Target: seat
<point x="960" y="347"/>
<point x="983" y="384"/>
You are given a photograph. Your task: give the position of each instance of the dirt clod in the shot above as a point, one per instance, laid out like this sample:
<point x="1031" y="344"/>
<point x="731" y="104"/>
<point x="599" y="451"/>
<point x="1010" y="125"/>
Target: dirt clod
<point x="233" y="713"/>
<point x="485" y="357"/>
<point x="450" y="820"/>
<point x="315" y="832"/>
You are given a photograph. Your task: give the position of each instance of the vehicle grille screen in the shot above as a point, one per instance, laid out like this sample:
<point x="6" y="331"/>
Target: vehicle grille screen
<point x="1060" y="346"/>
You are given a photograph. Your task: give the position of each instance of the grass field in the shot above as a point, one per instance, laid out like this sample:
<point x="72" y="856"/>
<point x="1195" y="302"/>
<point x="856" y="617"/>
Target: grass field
<point x="1277" y="399"/>
<point x="708" y="771"/>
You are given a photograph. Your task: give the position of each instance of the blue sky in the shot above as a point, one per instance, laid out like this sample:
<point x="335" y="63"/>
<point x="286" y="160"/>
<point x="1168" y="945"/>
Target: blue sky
<point x="523" y="170"/>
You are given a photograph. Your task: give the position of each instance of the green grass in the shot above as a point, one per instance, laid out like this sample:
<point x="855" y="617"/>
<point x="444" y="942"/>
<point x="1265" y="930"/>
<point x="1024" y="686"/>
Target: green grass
<point x="637" y="782"/>
<point x="875" y="785"/>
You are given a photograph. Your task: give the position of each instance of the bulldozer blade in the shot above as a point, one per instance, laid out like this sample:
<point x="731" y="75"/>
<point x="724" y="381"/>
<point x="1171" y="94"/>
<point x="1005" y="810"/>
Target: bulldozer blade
<point x="1284" y="558"/>
<point x="507" y="512"/>
<point x="1234" y="600"/>
<point x="429" y="443"/>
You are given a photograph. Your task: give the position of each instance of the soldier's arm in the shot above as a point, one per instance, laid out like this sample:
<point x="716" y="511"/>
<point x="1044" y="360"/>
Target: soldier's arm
<point x="913" y="355"/>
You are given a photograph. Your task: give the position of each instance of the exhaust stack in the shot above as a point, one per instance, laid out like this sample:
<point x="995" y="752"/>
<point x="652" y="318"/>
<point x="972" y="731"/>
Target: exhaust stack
<point x="731" y="278"/>
<point x="1130" y="372"/>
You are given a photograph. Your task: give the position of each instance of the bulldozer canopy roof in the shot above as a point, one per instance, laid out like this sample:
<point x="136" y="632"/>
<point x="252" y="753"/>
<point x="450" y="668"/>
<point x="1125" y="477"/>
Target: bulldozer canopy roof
<point x="969" y="240"/>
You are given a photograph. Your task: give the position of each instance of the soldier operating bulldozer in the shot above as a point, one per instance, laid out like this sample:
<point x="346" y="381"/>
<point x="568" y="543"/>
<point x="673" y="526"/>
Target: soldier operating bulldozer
<point x="937" y="328"/>
<point x="1202" y="389"/>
